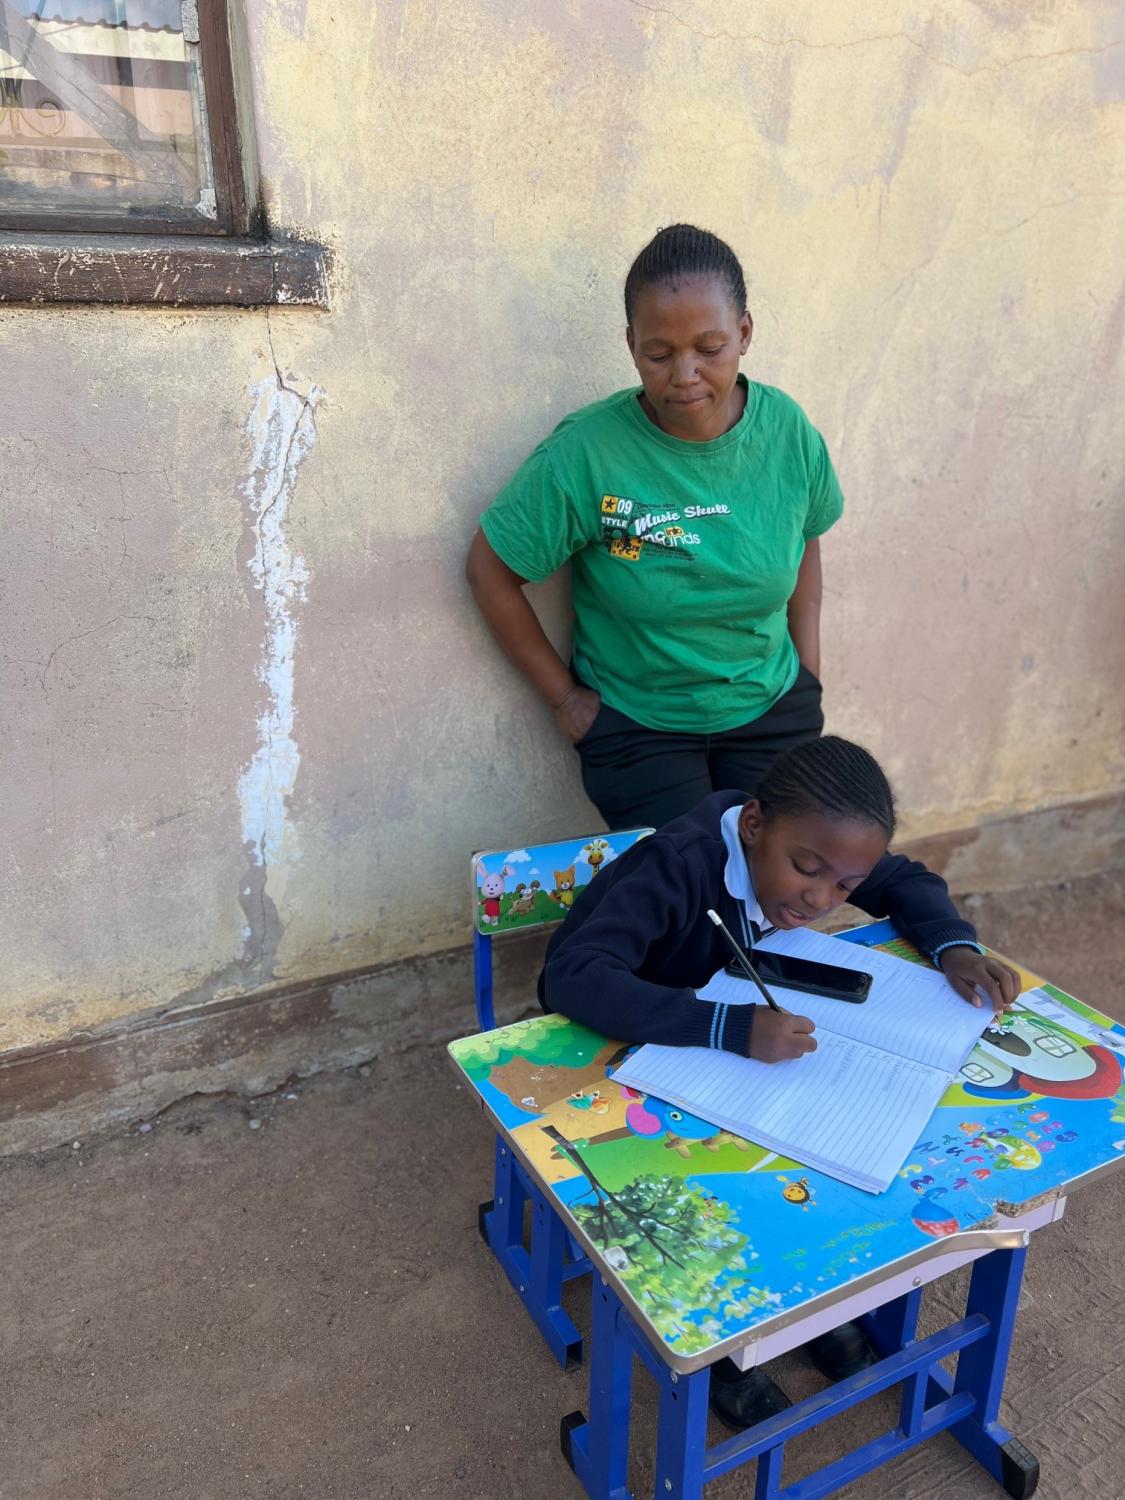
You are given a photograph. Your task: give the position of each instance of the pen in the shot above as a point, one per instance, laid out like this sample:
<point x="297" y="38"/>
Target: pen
<point x="751" y="972"/>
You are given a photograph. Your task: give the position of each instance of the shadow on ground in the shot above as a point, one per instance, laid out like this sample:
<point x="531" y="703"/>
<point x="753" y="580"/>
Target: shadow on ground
<point x="290" y="1298"/>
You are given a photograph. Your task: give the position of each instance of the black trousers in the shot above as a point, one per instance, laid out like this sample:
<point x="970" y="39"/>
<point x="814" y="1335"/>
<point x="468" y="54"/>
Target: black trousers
<point x="636" y="776"/>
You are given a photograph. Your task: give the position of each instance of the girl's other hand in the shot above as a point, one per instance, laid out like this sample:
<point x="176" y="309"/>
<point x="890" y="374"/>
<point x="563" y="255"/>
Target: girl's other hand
<point x="777" y="1036"/>
<point x="577" y="711"/>
<point x="972" y="975"/>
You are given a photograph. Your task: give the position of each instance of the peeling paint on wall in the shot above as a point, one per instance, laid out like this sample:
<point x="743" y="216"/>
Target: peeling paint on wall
<point x="927" y="210"/>
<point x="282" y="426"/>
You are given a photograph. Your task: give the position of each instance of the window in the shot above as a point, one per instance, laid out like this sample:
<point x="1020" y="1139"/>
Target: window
<point x="110" y="115"/>
<point x="131" y="118"/>
<point x="976" y="1074"/>
<point x="1054" y="1046"/>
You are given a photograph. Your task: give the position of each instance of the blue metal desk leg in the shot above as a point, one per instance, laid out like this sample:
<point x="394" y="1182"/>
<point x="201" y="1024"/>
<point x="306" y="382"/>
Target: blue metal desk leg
<point x="894" y="1325"/>
<point x="537" y="1280"/>
<point x="995" y="1292"/>
<point x="538" y="1277"/>
<point x="598" y="1450"/>
<point x="681" y="1437"/>
<point x="891" y="1328"/>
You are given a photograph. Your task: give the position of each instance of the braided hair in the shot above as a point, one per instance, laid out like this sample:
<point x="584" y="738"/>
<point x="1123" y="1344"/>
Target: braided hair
<point x="831" y="777"/>
<point x="682" y="250"/>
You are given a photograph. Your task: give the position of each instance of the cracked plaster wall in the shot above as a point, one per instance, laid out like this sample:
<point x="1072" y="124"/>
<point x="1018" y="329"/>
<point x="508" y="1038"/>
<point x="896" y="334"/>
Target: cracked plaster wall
<point x="252" y="726"/>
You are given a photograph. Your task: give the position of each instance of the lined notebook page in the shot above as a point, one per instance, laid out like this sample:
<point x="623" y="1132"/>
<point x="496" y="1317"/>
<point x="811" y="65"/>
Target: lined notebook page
<point x="912" y="1011"/>
<point x="809" y="1108"/>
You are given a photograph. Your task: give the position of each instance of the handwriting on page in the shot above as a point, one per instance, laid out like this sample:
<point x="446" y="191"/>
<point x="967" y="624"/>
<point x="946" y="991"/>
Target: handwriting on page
<point x="911" y="1010"/>
<point x="849" y="1109"/>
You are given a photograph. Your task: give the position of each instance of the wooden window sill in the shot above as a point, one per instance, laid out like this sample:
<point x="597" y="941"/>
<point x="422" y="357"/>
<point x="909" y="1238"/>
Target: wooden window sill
<point x="161" y="271"/>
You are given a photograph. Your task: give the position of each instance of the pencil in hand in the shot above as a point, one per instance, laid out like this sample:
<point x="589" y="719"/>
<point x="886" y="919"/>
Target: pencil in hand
<point x="744" y="962"/>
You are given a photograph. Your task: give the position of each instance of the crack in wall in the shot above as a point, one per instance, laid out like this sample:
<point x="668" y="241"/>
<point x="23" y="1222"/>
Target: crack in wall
<point x="282" y="426"/>
<point x="872" y="39"/>
<point x="81" y="636"/>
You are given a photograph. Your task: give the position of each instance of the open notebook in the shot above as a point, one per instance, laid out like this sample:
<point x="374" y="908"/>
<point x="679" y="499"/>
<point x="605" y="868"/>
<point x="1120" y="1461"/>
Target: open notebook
<point x="855" y="1106"/>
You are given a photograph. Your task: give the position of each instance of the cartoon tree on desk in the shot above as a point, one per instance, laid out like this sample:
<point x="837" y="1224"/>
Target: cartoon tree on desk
<point x="541" y="1040"/>
<point x="668" y="1241"/>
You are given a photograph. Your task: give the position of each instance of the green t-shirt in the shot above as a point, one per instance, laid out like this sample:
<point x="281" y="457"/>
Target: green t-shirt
<point x="684" y="555"/>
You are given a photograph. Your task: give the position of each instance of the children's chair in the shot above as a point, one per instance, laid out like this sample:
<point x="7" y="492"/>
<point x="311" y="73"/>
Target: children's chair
<point x="512" y="891"/>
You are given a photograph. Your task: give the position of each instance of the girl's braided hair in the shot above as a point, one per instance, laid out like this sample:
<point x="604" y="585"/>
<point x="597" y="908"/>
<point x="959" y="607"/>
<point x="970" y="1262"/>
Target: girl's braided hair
<point x="682" y="250"/>
<point x="832" y="777"/>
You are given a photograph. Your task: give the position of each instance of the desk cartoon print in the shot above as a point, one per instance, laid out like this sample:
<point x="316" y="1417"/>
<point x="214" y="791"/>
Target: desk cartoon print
<point x="703" y="1245"/>
<point x="658" y="1190"/>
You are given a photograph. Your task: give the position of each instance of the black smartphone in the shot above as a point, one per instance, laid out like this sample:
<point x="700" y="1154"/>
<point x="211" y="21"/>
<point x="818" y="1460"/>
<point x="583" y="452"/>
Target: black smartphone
<point x="804" y="974"/>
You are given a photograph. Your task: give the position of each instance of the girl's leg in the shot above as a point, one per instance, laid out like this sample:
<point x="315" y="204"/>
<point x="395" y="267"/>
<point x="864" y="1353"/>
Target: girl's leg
<point x="739" y="757"/>
<point x="637" y="777"/>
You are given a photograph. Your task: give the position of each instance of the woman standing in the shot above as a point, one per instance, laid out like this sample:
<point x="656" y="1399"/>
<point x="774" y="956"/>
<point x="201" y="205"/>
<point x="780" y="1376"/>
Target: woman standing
<point x="690" y="510"/>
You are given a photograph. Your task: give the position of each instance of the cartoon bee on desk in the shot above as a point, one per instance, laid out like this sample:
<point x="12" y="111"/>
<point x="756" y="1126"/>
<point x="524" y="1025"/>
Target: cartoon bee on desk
<point x="797" y="1191"/>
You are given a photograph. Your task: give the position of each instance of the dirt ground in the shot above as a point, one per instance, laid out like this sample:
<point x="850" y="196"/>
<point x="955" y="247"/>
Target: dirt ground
<point x="288" y="1297"/>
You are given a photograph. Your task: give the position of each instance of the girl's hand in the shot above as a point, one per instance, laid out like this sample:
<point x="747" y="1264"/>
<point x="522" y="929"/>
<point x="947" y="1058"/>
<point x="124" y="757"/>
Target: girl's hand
<point x="969" y="971"/>
<point x="776" y="1036"/>
<point x="575" y="712"/>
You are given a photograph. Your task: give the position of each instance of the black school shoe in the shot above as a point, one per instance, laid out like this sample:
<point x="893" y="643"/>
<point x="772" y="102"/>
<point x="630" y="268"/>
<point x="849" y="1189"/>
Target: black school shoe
<point x="842" y="1352"/>
<point x="743" y="1398"/>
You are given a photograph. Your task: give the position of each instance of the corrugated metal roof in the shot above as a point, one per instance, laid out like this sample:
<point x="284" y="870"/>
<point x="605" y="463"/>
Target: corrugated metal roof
<point x="151" y="15"/>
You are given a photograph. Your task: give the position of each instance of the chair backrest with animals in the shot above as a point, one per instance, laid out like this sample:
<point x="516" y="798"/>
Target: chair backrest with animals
<point x="518" y="888"/>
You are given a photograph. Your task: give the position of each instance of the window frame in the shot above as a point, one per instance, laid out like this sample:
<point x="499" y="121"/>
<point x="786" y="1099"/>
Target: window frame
<point x="229" y="144"/>
<point x="48" y="258"/>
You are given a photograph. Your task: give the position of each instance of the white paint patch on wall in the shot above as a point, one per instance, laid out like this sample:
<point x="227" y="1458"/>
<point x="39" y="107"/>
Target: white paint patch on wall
<point x="282" y="425"/>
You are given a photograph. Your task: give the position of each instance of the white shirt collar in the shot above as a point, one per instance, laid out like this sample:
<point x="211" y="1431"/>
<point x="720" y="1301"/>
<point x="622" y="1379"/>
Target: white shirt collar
<point x="736" y="875"/>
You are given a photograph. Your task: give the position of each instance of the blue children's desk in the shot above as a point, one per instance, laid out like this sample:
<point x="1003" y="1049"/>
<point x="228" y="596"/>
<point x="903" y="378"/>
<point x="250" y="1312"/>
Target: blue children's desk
<point x="704" y="1246"/>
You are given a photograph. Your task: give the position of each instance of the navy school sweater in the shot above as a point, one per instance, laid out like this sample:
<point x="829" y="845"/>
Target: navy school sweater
<point x="638" y="943"/>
